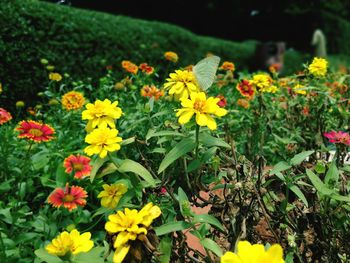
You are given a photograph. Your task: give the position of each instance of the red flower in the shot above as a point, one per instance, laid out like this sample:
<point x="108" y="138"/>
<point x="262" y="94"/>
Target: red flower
<point x="145" y="68"/>
<point x="79" y="164"/>
<point x="68" y="197"/>
<point x="35" y="131"/>
<point x="245" y="88"/>
<point x="338" y="137"/>
<point x="5" y="116"/>
<point x="222" y="102"/>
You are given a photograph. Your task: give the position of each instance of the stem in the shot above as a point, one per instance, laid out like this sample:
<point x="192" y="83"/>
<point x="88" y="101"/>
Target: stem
<point x="2" y="247"/>
<point x="25" y="167"/>
<point x="197" y="140"/>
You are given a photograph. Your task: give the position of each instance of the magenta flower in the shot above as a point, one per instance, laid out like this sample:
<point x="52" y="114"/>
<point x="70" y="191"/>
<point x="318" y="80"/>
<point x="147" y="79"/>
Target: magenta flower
<point x="338" y="137"/>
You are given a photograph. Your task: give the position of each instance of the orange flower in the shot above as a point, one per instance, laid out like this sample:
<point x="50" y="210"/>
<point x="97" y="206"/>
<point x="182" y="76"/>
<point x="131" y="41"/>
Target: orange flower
<point x="68" y="197"/>
<point x="145" y="68"/>
<point x="151" y="91"/>
<point x="222" y="102"/>
<point x="243" y="103"/>
<point x="73" y="100"/>
<point x="79" y="164"/>
<point x="171" y="56"/>
<point x="130" y="67"/>
<point x="35" y="131"/>
<point x="228" y="66"/>
<point x="246" y="88"/>
<point x="5" y="116"/>
<point x="276" y="67"/>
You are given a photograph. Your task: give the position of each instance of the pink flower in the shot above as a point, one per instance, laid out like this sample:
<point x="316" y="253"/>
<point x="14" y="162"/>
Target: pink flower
<point x="338" y="137"/>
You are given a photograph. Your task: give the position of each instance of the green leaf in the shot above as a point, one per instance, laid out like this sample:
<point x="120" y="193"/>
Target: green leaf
<point x="165" y="249"/>
<point x="300" y="157"/>
<point x="210" y="141"/>
<point x="317" y="183"/>
<point x="180" y="149"/>
<point x="46" y="257"/>
<point x="128" y="165"/>
<point x="93" y="256"/>
<point x="280" y="167"/>
<point x="205" y="218"/>
<point x="296" y="190"/>
<point x="40" y="159"/>
<point x="127" y="141"/>
<point x="96" y="165"/>
<point x="110" y="168"/>
<point x="185" y="206"/>
<point x="61" y="176"/>
<point x="152" y="133"/>
<point x="211" y="245"/>
<point x="171" y="227"/>
<point x="332" y="175"/>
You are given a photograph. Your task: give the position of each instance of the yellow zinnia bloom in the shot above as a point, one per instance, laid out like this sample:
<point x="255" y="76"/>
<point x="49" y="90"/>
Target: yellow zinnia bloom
<point x="73" y="100"/>
<point x="71" y="242"/>
<point x="247" y="253"/>
<point x="111" y="194"/>
<point x="171" y="56"/>
<point x="203" y="108"/>
<point x="318" y="67"/>
<point x="299" y="89"/>
<point x="263" y="83"/>
<point x="102" y="140"/>
<point x="181" y="84"/>
<point x="128" y="225"/>
<point x="55" y="76"/>
<point x="101" y="114"/>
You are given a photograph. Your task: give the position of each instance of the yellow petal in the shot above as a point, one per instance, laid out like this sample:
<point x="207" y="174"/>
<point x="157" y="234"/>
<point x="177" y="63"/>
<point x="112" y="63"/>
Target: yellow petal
<point x="120" y="253"/>
<point x="230" y="257"/>
<point x="185" y="117"/>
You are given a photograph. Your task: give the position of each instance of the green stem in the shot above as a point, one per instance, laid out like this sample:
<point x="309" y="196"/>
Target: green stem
<point x="197" y="140"/>
<point x="25" y="168"/>
<point x="2" y="247"/>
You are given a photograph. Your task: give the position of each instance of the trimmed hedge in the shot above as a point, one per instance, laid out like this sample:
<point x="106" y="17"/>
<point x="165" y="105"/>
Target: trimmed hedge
<point x="82" y="43"/>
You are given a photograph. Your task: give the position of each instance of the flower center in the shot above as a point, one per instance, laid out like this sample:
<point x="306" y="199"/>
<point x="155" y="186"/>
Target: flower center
<point x="68" y="198"/>
<point x="36" y="132"/>
<point x="199" y="105"/>
<point x="78" y="166"/>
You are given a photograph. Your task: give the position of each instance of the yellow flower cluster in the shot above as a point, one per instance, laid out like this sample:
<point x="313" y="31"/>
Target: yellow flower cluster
<point x="55" y="76"/>
<point x="130" y="225"/>
<point x="263" y="83"/>
<point x="73" y="100"/>
<point x="181" y="84"/>
<point x="111" y="194"/>
<point x="203" y="108"/>
<point x="101" y="118"/>
<point x="248" y="253"/>
<point x="72" y="242"/>
<point x="318" y="67"/>
<point x="299" y="89"/>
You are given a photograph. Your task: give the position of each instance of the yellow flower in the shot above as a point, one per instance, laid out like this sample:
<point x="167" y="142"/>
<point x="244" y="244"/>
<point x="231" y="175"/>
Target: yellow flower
<point x="73" y="100"/>
<point x="101" y="114"/>
<point x="20" y="104"/>
<point x="299" y="89"/>
<point x="1" y="88"/>
<point x="181" y="84"/>
<point x="171" y="56"/>
<point x="111" y="194"/>
<point x="263" y="83"/>
<point x="129" y="225"/>
<point x="318" y="67"/>
<point x="247" y="253"/>
<point x="71" y="242"/>
<point x="55" y="76"/>
<point x="203" y="108"/>
<point x="102" y="141"/>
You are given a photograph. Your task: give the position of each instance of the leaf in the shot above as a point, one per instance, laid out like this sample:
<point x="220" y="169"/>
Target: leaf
<point x="300" y="157"/>
<point x="93" y="256"/>
<point x="127" y="141"/>
<point x="40" y="159"/>
<point x="46" y="257"/>
<point x="180" y="149"/>
<point x="128" y="165"/>
<point x="96" y="165"/>
<point x="211" y="245"/>
<point x="317" y="183"/>
<point x="332" y="175"/>
<point x="61" y="176"/>
<point x="110" y="168"/>
<point x="165" y="249"/>
<point x="296" y="190"/>
<point x="171" y="227"/>
<point x="205" y="218"/>
<point x="210" y="141"/>
<point x="152" y="133"/>
<point x="280" y="167"/>
<point x="185" y="206"/>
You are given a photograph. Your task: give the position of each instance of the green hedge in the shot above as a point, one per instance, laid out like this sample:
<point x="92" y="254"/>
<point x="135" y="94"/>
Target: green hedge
<point x="82" y="42"/>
